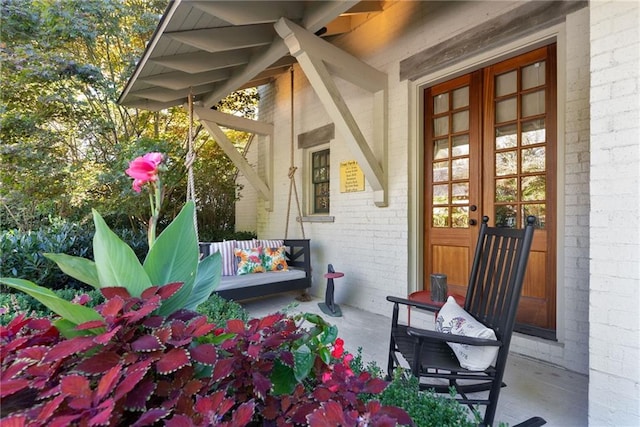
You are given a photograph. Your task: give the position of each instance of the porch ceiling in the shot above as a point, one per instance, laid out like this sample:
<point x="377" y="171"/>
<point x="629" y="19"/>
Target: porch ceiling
<point x="213" y="48"/>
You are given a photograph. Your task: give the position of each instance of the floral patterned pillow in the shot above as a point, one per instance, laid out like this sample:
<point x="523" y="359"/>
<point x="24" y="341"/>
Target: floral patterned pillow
<point x="249" y="260"/>
<point x="275" y="259"/>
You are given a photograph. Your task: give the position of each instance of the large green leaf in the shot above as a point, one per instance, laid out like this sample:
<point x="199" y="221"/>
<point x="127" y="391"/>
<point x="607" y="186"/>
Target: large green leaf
<point x="207" y="280"/>
<point x="174" y="258"/>
<point x="282" y="379"/>
<point x="71" y="312"/>
<point x="116" y="263"/>
<point x="79" y="268"/>
<point x="303" y="362"/>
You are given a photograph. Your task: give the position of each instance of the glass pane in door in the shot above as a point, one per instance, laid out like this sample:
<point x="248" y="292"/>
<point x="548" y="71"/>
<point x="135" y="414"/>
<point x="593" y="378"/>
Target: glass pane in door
<point x="450" y="162"/>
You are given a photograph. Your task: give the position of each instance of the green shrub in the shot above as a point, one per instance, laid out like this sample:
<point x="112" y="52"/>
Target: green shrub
<point x="427" y="409"/>
<point x="218" y="310"/>
<point x="11" y="304"/>
<point x="21" y="252"/>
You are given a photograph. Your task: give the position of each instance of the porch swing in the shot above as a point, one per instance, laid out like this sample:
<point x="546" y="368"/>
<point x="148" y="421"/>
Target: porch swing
<point x="297" y="252"/>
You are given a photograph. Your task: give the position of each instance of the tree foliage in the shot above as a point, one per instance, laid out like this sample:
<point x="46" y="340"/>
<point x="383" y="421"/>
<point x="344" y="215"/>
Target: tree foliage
<point x="65" y="142"/>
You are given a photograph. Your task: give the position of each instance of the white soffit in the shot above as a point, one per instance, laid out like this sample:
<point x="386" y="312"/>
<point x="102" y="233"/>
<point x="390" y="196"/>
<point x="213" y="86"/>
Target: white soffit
<point x="213" y="48"/>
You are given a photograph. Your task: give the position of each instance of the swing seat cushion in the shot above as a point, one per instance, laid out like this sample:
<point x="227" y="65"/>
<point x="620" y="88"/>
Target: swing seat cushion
<point x="287" y="269"/>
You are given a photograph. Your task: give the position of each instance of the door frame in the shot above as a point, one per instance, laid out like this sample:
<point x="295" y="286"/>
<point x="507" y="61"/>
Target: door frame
<point x="415" y="89"/>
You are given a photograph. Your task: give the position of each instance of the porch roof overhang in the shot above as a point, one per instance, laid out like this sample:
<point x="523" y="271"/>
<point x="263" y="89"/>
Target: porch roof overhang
<point x="208" y="49"/>
<point x="213" y="48"/>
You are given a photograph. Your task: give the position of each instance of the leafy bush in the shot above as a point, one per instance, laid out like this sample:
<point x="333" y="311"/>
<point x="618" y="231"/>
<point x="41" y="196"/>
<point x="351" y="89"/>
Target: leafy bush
<point x="217" y="235"/>
<point x="426" y="408"/>
<point x="21" y="253"/>
<point x="133" y="367"/>
<point x="218" y="310"/>
<point x="12" y="304"/>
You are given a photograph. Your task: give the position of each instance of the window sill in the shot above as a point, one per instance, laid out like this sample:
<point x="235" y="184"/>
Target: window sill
<point x="317" y="218"/>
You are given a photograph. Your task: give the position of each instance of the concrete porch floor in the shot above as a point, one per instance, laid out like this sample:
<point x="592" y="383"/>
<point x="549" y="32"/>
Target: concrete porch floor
<point x="534" y="388"/>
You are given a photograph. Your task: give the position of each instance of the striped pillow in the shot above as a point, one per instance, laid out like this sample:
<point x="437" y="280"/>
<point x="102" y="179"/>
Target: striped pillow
<point x="228" y="258"/>
<point x="268" y="243"/>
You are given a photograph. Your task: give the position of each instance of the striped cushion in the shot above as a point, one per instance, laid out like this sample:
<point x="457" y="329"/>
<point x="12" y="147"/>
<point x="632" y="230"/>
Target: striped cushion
<point x="245" y="244"/>
<point x="228" y="259"/>
<point x="268" y="243"/>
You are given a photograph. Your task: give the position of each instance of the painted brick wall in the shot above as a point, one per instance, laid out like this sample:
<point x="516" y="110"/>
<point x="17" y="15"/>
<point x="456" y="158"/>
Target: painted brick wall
<point x="614" y="335"/>
<point x="369" y="244"/>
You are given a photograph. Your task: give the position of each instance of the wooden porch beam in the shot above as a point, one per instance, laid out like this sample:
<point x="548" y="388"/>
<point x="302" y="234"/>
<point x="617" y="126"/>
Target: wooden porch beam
<point x="212" y="120"/>
<point x="317" y="58"/>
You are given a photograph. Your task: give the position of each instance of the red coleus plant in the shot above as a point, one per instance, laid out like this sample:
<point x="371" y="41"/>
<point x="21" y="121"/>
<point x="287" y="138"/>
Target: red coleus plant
<point x="141" y="369"/>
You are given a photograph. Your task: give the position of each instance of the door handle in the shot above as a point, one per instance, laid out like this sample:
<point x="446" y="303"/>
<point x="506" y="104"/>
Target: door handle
<point x="473" y="222"/>
<point x="473" y="208"/>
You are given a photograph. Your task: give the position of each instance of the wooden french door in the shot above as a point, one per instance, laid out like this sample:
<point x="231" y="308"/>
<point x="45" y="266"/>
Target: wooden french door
<point x="490" y="150"/>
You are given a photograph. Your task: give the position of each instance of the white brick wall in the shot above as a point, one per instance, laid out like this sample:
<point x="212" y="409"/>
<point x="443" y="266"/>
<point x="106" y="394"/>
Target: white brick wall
<point x="370" y="244"/>
<point x="614" y="335"/>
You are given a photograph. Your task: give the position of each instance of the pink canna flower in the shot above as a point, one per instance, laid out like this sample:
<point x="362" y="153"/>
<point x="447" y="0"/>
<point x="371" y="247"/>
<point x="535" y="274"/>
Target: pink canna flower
<point x="144" y="169"/>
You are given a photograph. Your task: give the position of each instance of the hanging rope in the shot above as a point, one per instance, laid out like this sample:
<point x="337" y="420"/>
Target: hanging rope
<point x="191" y="156"/>
<point x="292" y="172"/>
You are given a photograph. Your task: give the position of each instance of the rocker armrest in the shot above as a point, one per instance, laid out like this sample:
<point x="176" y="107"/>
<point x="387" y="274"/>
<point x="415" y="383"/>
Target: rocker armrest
<point x="459" y="339"/>
<point x="412" y="303"/>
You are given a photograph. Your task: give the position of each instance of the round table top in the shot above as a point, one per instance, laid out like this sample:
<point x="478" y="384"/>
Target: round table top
<point x="333" y="275"/>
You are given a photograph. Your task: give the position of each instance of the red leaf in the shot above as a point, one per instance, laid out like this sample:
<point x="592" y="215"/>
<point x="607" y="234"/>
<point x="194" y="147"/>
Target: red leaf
<point x="205" y="354"/>
<point x="14" y="421"/>
<point x="222" y="369"/>
<point x="67" y="348"/>
<point x="179" y="421"/>
<point x="328" y="415"/>
<point x="153" y="322"/>
<point x="92" y="324"/>
<point x="75" y="386"/>
<point x="115" y="291"/>
<point x="102" y="417"/>
<point x="163" y="334"/>
<point x="63" y="421"/>
<point x="254" y="351"/>
<point x="243" y="414"/>
<point x="149" y="292"/>
<point x="151" y="417"/>
<point x="269" y="320"/>
<point x="49" y="408"/>
<point x="131" y="379"/>
<point x="113" y="305"/>
<point x="33" y="353"/>
<point x="167" y="291"/>
<point x="8" y="387"/>
<point x="99" y="363"/>
<point x="199" y="327"/>
<point x="399" y="414"/>
<point x="173" y="360"/>
<point x="106" y="384"/>
<point x="14" y="369"/>
<point x="39" y="324"/>
<point x="261" y="384"/>
<point x="235" y="326"/>
<point x="322" y="394"/>
<point x="137" y="399"/>
<point x="147" y="343"/>
<point x="375" y="386"/>
<point x="107" y="336"/>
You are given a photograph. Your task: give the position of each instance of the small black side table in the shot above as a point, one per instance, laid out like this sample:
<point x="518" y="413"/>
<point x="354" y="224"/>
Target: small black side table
<point x="329" y="307"/>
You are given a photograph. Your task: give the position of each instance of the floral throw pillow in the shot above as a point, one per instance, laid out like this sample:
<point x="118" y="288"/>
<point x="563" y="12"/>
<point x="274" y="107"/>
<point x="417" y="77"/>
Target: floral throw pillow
<point x="249" y="260"/>
<point x="274" y="259"/>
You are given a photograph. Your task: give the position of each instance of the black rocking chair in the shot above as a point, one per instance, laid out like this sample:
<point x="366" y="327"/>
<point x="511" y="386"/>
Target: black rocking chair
<point x="492" y="298"/>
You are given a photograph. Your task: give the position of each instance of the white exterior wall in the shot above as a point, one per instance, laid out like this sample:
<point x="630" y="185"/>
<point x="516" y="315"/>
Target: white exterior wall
<point x="247" y="204"/>
<point x="614" y="338"/>
<point x="372" y="245"/>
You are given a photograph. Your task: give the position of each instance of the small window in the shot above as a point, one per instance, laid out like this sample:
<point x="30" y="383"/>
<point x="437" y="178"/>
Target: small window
<point x="320" y="181"/>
